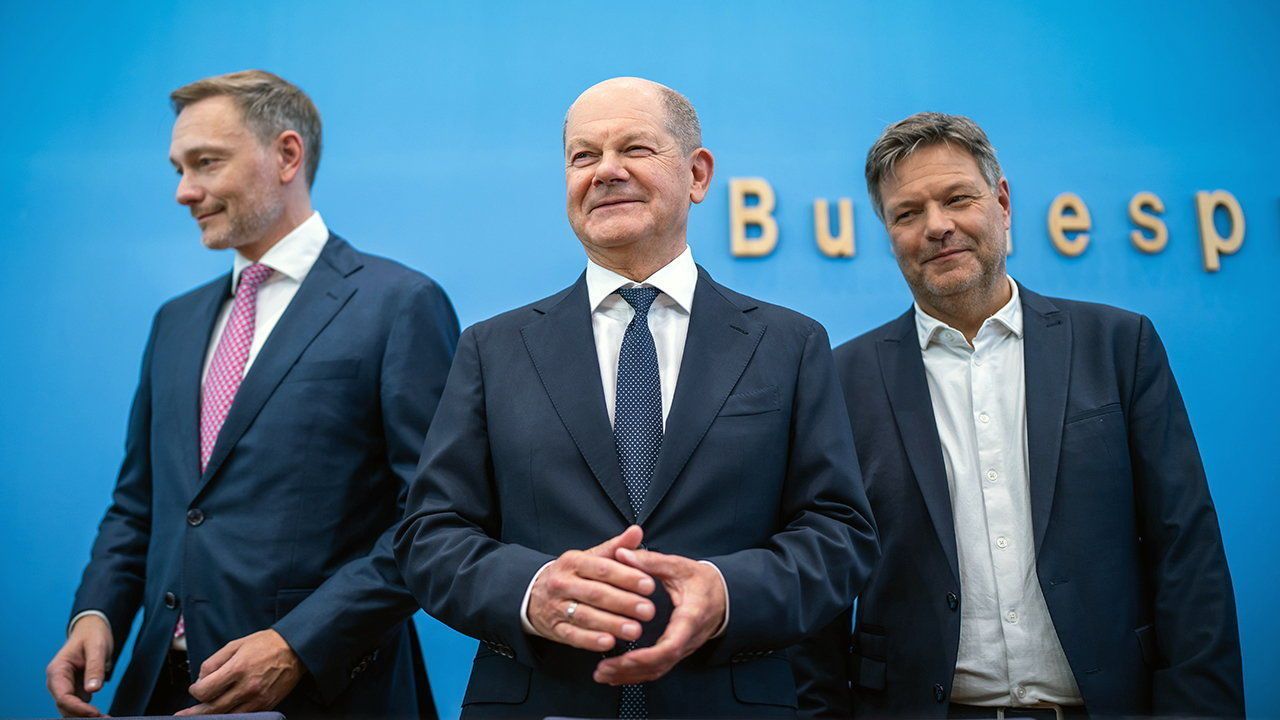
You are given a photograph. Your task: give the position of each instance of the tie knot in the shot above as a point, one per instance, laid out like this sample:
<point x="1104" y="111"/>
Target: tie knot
<point x="253" y="276"/>
<point x="639" y="298"/>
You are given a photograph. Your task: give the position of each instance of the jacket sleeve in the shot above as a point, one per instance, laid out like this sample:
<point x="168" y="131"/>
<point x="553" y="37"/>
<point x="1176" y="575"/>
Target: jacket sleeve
<point x="820" y="558"/>
<point x="357" y="606"/>
<point x="114" y="578"/>
<point x="1198" y="668"/>
<point x="448" y="546"/>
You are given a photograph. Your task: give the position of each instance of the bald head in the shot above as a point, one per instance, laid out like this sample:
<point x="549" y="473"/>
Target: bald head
<point x="679" y="117"/>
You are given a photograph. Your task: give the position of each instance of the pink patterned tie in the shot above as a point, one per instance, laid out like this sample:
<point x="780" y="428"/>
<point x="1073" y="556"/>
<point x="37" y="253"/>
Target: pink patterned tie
<point x="226" y="370"/>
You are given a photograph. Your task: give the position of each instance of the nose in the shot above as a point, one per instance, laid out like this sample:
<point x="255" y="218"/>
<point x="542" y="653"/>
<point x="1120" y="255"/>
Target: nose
<point x="188" y="192"/>
<point x="610" y="169"/>
<point x="938" y="224"/>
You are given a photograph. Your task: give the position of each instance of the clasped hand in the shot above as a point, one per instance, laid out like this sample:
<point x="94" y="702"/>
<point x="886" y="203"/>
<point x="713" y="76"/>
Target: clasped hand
<point x="607" y="588"/>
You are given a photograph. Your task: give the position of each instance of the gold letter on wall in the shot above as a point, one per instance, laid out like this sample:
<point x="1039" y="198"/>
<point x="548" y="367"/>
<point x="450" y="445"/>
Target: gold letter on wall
<point x="842" y="244"/>
<point x="761" y="215"/>
<point x="1060" y="223"/>
<point x="1142" y="211"/>
<point x="1211" y="242"/>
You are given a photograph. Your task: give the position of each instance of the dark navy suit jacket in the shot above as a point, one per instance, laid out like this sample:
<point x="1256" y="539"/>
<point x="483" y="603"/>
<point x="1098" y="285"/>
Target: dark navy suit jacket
<point x="290" y="525"/>
<point x="1128" y="551"/>
<point x="757" y="474"/>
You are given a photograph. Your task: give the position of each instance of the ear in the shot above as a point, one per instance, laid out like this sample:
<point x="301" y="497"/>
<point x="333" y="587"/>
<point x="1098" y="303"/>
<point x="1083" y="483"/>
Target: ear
<point x="1002" y="197"/>
<point x="290" y="155"/>
<point x="703" y="168"/>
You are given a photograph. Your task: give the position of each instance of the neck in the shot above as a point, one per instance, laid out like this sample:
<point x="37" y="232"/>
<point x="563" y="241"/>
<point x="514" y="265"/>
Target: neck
<point x="636" y="266"/>
<point x="294" y="215"/>
<point x="967" y="311"/>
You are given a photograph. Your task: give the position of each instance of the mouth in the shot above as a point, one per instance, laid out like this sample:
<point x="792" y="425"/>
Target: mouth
<point x="946" y="254"/>
<point x="614" y="203"/>
<point x="205" y="216"/>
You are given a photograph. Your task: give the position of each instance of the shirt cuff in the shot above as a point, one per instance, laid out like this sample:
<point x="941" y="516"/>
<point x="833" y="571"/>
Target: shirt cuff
<point x="96" y="613"/>
<point x="524" y="604"/>
<point x="724" y="625"/>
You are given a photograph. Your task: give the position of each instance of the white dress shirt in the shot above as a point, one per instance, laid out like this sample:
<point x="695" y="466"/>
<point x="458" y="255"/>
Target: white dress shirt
<point x="668" y="323"/>
<point x="1009" y="652"/>
<point x="291" y="258"/>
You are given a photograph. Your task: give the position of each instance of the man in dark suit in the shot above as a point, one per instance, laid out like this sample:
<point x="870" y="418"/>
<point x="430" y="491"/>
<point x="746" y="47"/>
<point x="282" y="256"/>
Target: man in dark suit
<point x="1050" y="546"/>
<point x="278" y="418"/>
<point x="641" y="490"/>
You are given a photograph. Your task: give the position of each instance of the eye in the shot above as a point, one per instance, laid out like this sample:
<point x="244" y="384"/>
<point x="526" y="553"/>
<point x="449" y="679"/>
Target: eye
<point x="957" y="199"/>
<point x="638" y="150"/>
<point x="582" y="157"/>
<point x="205" y="162"/>
<point x="904" y="216"/>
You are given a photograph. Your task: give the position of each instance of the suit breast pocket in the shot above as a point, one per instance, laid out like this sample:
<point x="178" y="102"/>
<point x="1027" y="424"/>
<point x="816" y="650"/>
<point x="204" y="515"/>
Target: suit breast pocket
<point x="752" y="402"/>
<point x="324" y="370"/>
<point x="1106" y="424"/>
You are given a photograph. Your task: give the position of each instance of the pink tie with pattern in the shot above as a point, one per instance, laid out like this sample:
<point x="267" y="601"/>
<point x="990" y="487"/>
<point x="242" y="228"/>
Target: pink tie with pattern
<point x="226" y="370"/>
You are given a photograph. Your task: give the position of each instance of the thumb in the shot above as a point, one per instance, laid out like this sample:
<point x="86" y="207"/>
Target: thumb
<point x="629" y="538"/>
<point x="654" y="563"/>
<point x="95" y="666"/>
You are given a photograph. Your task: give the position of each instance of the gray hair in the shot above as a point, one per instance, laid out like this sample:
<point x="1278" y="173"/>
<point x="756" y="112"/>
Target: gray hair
<point x="902" y="139"/>
<point x="682" y="120"/>
<point x="270" y="105"/>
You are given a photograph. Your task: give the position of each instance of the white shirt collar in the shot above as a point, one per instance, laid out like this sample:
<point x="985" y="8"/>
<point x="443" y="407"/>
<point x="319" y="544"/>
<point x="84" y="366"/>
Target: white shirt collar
<point x="1009" y="316"/>
<point x="677" y="280"/>
<point x="294" y="255"/>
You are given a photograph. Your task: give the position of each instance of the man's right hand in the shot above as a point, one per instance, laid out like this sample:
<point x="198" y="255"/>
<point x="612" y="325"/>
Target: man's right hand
<point x="608" y="597"/>
<point x="80" y="667"/>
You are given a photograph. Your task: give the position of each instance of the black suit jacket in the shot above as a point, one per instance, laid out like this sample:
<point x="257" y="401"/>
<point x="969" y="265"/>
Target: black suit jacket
<point x="290" y="524"/>
<point x="757" y="473"/>
<point x="1128" y="551"/>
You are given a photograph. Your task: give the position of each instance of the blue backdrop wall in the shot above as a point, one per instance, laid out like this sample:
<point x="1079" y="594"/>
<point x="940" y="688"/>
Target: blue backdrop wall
<point x="442" y="127"/>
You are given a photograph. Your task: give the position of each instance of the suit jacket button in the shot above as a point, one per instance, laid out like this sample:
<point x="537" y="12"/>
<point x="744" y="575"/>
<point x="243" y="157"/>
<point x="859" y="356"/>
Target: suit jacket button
<point x="170" y="600"/>
<point x="953" y="602"/>
<point x="194" y="517"/>
<point x="939" y="694"/>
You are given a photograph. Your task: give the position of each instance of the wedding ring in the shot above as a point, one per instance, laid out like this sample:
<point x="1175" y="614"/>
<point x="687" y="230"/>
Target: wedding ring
<point x="569" y="611"/>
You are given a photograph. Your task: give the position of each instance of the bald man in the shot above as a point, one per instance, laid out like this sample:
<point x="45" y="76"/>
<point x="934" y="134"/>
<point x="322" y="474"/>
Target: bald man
<point x="640" y="490"/>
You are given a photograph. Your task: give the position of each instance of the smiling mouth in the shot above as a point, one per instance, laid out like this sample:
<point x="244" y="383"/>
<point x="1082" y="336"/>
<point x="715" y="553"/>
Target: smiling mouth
<point x="206" y="216"/>
<point x="613" y="203"/>
<point x="947" y="254"/>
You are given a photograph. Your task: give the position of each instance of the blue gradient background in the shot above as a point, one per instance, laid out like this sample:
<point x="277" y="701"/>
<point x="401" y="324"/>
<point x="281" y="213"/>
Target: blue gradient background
<point x="442" y="128"/>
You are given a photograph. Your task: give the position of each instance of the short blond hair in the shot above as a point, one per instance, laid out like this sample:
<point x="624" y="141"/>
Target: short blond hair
<point x="270" y="105"/>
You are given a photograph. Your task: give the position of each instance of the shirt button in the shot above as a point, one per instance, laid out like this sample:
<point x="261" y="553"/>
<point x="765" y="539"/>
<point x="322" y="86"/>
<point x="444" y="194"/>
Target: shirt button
<point x="983" y="417"/>
<point x="977" y="361"/>
<point x="1021" y="691"/>
<point x="992" y="475"/>
<point x="1011" y="616"/>
<point x="1002" y="542"/>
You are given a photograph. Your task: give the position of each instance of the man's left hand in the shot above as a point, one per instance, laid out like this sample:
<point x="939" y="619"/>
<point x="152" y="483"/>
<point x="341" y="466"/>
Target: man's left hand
<point x="698" y="596"/>
<point x="251" y="674"/>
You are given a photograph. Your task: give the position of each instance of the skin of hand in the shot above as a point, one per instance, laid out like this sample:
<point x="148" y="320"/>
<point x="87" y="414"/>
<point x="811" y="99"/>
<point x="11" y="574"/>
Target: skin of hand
<point x="698" y="596"/>
<point x="78" y="670"/>
<point x="610" y="596"/>
<point x="251" y="674"/>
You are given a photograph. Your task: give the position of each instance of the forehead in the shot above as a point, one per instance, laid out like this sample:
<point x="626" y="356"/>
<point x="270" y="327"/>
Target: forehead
<point x="620" y="110"/>
<point x="212" y="120"/>
<point x="934" y="165"/>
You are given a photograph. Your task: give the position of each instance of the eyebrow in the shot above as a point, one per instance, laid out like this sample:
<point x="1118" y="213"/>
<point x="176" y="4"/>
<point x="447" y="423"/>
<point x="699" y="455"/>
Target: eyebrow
<point x="625" y="138"/>
<point x="198" y="149"/>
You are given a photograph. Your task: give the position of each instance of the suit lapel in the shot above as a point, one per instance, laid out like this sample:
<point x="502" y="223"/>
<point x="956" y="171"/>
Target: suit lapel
<point x="720" y="343"/>
<point x="193" y="339"/>
<point x="1047" y="361"/>
<point x="562" y="346"/>
<point x="902" y="367"/>
<point x="323" y="293"/>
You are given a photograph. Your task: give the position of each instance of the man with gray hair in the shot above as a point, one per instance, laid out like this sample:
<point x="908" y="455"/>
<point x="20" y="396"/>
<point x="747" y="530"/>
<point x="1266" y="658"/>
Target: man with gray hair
<point x="279" y="415"/>
<point x="1050" y="546"/>
<point x="639" y="491"/>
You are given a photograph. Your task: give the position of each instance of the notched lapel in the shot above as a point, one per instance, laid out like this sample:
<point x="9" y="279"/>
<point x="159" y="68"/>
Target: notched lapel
<point x="902" y="367"/>
<point x="323" y="293"/>
<point x="1047" y="363"/>
<point x="562" y="346"/>
<point x="721" y="340"/>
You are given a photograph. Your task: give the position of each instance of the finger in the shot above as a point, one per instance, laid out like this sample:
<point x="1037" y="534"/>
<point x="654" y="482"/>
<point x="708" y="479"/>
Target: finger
<point x="60" y="679"/>
<point x="629" y="538"/>
<point x="651" y="663"/>
<point x="212" y="686"/>
<point x="610" y="599"/>
<point x="653" y="563"/>
<point x="201" y="709"/>
<point x="72" y="706"/>
<point x="590" y="618"/>
<point x="565" y="632"/>
<point x="609" y="570"/>
<point x="218" y="659"/>
<point x="95" y="666"/>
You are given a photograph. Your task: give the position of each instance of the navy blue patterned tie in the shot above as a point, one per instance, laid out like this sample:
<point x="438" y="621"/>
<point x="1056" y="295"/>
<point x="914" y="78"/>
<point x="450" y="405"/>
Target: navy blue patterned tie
<point x="637" y="432"/>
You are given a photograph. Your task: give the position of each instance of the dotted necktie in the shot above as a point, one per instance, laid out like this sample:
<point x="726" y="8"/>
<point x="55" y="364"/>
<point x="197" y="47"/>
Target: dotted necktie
<point x="637" y="432"/>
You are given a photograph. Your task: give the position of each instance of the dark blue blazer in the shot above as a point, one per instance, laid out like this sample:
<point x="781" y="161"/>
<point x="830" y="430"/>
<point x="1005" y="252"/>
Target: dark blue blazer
<point x="1128" y="551"/>
<point x="757" y="473"/>
<point x="290" y="525"/>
